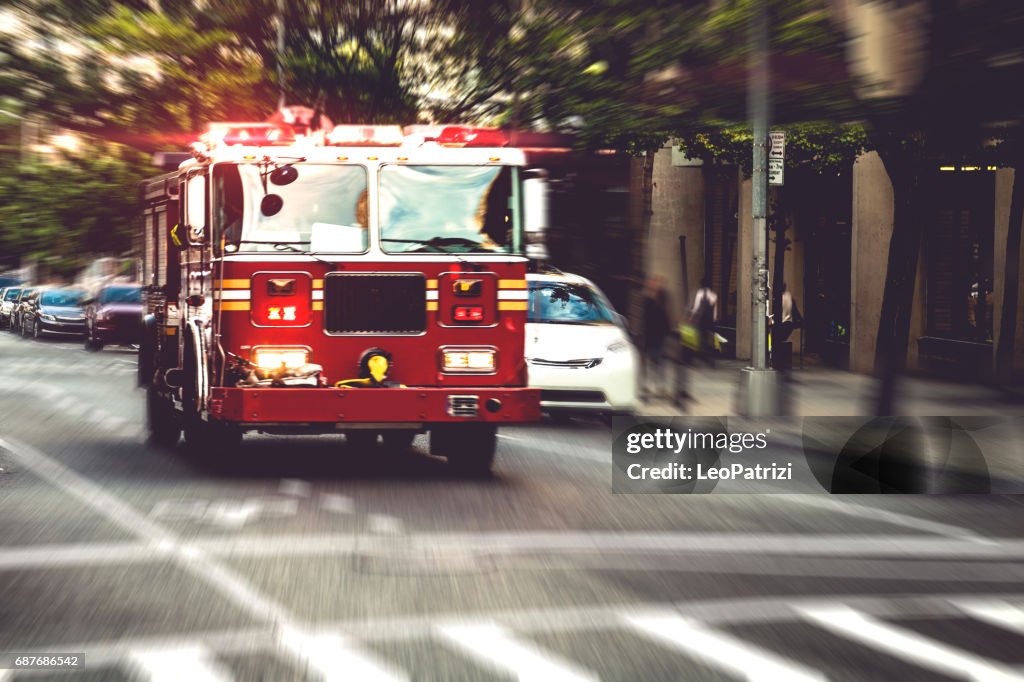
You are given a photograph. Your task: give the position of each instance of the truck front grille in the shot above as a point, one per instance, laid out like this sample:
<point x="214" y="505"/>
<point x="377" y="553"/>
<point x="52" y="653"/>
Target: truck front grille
<point x="374" y="303"/>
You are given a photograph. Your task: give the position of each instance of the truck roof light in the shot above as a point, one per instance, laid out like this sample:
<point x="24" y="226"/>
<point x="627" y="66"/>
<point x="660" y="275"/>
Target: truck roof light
<point x="466" y="136"/>
<point x="366" y="136"/>
<point x="248" y="134"/>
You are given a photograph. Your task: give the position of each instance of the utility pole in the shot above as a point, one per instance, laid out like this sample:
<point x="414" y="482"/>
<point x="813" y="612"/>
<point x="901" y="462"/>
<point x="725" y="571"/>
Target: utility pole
<point x="280" y="54"/>
<point x="759" y="388"/>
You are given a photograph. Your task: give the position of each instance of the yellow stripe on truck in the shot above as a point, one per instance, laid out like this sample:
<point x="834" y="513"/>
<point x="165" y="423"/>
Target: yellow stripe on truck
<point x="511" y="283"/>
<point x="431" y="305"/>
<point x="234" y="284"/>
<point x="234" y="305"/>
<point x="318" y="305"/>
<point x="513" y="305"/>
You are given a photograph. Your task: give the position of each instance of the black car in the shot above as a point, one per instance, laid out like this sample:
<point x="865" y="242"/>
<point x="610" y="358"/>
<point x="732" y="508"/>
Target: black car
<point x="114" y="316"/>
<point x="19" y="305"/>
<point x="8" y="298"/>
<point x="54" y="312"/>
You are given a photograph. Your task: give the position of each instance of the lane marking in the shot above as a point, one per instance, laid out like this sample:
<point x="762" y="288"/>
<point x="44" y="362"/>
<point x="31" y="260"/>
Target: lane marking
<point x="337" y="658"/>
<point x="720" y="650"/>
<point x="194" y="664"/>
<point x="905" y="644"/>
<point x="995" y="612"/>
<point x="496" y="648"/>
<point x="337" y="504"/>
<point x="895" y="518"/>
<point x="384" y="524"/>
<point x="295" y="487"/>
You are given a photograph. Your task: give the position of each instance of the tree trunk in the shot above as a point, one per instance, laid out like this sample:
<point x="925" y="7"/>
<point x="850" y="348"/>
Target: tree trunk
<point x="901" y="276"/>
<point x="1011" y="277"/>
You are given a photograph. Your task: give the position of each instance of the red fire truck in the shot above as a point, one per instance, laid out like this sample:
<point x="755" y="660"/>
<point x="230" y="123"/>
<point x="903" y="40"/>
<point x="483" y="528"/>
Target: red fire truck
<point x="351" y="280"/>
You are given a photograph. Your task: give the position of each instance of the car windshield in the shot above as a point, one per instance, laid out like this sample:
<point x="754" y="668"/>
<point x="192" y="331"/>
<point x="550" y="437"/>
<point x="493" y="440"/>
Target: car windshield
<point x="320" y="207"/>
<point x="564" y="303"/>
<point x="448" y="209"/>
<point x="61" y="298"/>
<point x="11" y="294"/>
<point x="122" y="295"/>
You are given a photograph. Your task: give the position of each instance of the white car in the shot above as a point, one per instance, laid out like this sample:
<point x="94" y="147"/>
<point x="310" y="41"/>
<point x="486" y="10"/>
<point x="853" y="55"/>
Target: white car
<point x="577" y="348"/>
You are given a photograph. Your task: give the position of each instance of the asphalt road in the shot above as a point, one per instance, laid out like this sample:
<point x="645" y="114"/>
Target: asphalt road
<point x="303" y="559"/>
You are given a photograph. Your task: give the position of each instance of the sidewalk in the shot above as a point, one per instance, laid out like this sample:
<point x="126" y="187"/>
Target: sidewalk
<point x="823" y="391"/>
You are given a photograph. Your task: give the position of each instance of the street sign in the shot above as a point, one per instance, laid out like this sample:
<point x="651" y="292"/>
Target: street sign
<point x="777" y="146"/>
<point x="776" y="157"/>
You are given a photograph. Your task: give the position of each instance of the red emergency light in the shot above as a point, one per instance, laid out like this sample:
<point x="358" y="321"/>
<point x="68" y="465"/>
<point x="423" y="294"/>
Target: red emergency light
<point x="465" y="136"/>
<point x="249" y="135"/>
<point x="468" y="313"/>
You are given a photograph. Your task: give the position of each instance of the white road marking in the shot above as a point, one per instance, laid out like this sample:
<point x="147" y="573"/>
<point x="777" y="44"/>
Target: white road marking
<point x="995" y="612"/>
<point x="719" y="650"/>
<point x="496" y="648"/>
<point x="338" y="659"/>
<point x="187" y="664"/>
<point x="907" y="645"/>
<point x="295" y="487"/>
<point x="384" y="524"/>
<point x="338" y="504"/>
<point x="895" y="518"/>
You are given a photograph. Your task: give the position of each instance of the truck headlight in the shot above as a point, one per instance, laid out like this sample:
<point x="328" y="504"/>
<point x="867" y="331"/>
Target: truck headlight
<point x="467" y="360"/>
<point x="273" y="358"/>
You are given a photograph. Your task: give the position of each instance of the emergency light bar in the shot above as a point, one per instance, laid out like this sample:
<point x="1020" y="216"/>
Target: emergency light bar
<point x="464" y="136"/>
<point x="366" y="136"/>
<point x="248" y="134"/>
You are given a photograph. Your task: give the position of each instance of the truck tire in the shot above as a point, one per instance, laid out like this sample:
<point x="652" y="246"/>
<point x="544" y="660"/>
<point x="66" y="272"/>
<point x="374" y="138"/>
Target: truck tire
<point x="468" y="447"/>
<point x="207" y="437"/>
<point x="163" y="422"/>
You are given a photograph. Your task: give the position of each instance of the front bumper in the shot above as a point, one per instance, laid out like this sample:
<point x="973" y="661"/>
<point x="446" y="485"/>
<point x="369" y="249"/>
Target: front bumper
<point x="61" y="328"/>
<point x="316" y="407"/>
<point x="611" y="386"/>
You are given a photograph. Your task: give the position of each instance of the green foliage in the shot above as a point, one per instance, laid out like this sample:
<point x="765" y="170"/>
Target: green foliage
<point x="65" y="212"/>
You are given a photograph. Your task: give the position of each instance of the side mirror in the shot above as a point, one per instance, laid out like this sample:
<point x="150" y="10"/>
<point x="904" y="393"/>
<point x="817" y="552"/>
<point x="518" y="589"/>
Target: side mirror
<point x="271" y="205"/>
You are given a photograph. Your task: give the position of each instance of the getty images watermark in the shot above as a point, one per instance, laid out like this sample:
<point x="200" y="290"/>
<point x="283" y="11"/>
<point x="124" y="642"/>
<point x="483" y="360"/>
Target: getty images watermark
<point x="680" y="455"/>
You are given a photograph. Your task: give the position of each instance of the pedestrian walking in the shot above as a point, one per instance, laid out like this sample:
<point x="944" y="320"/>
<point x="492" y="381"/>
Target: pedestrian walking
<point x="655" y="332"/>
<point x="704" y="316"/>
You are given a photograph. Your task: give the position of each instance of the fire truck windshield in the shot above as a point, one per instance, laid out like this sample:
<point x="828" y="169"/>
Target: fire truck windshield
<point x="449" y="209"/>
<point x="323" y="208"/>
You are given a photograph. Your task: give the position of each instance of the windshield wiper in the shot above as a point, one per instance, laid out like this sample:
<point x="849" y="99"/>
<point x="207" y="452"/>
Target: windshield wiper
<point x="289" y="246"/>
<point x="435" y="244"/>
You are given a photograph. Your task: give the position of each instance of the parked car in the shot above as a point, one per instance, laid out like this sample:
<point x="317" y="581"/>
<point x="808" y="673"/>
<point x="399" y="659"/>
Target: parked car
<point x="19" y="303"/>
<point x="578" y="348"/>
<point x="114" y="316"/>
<point x="8" y="296"/>
<point x="54" y="312"/>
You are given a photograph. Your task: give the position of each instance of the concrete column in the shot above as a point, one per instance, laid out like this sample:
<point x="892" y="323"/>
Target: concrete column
<point x="869" y="251"/>
<point x="678" y="209"/>
<point x="1003" y="197"/>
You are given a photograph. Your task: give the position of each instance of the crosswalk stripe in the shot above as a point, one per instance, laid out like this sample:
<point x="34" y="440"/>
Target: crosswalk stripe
<point x="907" y="645"/>
<point x="719" y="649"/>
<point x="494" y="647"/>
<point x="999" y="613"/>
<point x="178" y="664"/>
<point x="337" y="659"/>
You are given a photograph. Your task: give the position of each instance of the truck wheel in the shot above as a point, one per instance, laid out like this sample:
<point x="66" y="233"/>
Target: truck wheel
<point x="398" y="440"/>
<point x="468" y="447"/>
<point x="361" y="440"/>
<point x="162" y="420"/>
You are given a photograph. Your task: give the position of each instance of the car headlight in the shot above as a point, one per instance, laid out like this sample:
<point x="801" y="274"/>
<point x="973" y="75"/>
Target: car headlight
<point x="467" y="360"/>
<point x="47" y="317"/>
<point x="617" y="346"/>
<point x="273" y="358"/>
